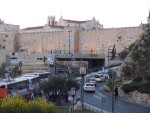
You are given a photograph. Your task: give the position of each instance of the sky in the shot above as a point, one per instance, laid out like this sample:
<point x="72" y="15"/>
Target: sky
<point x="110" y="13"/>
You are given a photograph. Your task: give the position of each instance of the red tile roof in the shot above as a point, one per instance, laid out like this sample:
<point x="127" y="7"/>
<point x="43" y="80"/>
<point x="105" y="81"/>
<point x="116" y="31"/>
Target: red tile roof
<point x="41" y="27"/>
<point x="75" y="21"/>
<point x="32" y="28"/>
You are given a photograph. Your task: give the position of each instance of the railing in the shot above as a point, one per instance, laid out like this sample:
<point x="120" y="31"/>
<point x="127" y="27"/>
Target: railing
<point x="94" y="109"/>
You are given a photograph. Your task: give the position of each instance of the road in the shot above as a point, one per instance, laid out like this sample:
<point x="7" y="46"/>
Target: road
<point x="120" y="106"/>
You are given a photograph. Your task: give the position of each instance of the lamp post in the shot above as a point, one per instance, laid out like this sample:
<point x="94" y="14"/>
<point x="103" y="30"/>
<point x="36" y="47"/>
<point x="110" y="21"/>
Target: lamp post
<point x="109" y="51"/>
<point x="91" y="61"/>
<point x="113" y="91"/>
<point x="42" y="44"/>
<point x="73" y="93"/>
<point x="110" y="48"/>
<point x="69" y="42"/>
<point x="82" y="73"/>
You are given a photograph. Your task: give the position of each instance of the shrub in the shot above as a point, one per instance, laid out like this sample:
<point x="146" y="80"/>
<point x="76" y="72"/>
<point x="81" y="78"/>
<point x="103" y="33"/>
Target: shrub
<point x="14" y="105"/>
<point x="138" y="79"/>
<point x="141" y="62"/>
<point x="131" y="87"/>
<point x="135" y="55"/>
<point x="18" y="105"/>
<point x="145" y="88"/>
<point x="40" y="106"/>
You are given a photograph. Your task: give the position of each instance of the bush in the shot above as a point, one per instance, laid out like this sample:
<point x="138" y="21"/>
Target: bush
<point x="131" y="87"/>
<point x="14" y="105"/>
<point x="135" y="55"/>
<point x="18" y="105"/>
<point x="138" y="79"/>
<point x="40" y="106"/>
<point x="145" y="88"/>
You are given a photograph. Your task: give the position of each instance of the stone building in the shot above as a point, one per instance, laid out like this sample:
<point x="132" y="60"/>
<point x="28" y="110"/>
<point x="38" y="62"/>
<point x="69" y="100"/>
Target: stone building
<point x="81" y="36"/>
<point x="84" y="35"/>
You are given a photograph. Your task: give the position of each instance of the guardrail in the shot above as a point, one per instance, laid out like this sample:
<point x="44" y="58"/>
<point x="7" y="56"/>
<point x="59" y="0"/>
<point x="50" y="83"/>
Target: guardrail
<point x="95" y="110"/>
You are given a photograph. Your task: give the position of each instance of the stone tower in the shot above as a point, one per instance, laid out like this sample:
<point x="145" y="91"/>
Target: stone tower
<point x="51" y="20"/>
<point x="148" y="18"/>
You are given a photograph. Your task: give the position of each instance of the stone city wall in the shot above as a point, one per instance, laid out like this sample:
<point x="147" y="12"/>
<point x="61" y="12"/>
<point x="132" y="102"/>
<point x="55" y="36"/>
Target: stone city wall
<point x="96" y="39"/>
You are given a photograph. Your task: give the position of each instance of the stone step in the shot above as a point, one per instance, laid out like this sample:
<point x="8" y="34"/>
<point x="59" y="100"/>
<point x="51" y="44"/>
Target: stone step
<point x="33" y="71"/>
<point x="33" y="67"/>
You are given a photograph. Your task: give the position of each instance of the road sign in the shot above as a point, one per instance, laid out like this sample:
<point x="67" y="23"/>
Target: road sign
<point x="82" y="70"/>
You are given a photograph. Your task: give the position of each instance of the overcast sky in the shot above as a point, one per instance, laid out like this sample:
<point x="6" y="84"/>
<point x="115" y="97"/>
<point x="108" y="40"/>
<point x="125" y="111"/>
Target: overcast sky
<point x="110" y="13"/>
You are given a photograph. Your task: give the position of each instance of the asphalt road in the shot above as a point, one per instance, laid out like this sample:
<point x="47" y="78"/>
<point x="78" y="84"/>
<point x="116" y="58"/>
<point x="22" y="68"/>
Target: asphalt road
<point x="120" y="106"/>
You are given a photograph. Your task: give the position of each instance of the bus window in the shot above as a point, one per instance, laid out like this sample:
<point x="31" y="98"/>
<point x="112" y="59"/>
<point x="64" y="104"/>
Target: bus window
<point x="2" y="86"/>
<point x="43" y="75"/>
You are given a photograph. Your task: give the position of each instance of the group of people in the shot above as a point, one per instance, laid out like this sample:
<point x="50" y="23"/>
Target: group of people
<point x="33" y="94"/>
<point x="54" y="96"/>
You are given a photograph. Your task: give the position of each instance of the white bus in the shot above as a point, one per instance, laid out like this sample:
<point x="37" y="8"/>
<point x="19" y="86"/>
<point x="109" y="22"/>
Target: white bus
<point x="33" y="81"/>
<point x="41" y="75"/>
<point x="15" y="86"/>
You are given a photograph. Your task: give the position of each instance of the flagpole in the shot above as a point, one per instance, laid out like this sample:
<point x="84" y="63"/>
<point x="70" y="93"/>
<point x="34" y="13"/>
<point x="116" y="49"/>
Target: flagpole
<point x="69" y="42"/>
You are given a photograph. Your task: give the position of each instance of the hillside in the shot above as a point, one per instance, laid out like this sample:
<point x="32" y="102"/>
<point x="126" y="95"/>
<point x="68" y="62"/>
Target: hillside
<point x="136" y="71"/>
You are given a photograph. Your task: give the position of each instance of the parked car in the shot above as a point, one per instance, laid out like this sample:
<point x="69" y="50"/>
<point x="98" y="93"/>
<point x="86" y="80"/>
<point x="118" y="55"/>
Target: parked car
<point x="101" y="76"/>
<point x="97" y="78"/>
<point x="89" y="87"/>
<point x="91" y="80"/>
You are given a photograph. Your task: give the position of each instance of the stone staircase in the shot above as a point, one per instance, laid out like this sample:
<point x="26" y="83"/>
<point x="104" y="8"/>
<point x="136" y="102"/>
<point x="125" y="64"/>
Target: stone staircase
<point x="34" y="67"/>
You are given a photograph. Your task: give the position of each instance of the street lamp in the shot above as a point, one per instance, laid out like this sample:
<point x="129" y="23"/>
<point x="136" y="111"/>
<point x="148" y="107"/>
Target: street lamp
<point x="69" y="41"/>
<point x="82" y="73"/>
<point x="110" y="48"/>
<point x="73" y="93"/>
<point x="91" y="61"/>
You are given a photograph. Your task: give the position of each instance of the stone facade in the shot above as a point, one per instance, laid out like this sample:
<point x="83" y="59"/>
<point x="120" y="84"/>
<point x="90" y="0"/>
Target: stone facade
<point x="81" y="40"/>
<point x="8" y="27"/>
<point x="85" y="36"/>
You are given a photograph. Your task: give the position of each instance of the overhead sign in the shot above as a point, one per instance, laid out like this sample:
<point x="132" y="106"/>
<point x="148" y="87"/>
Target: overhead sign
<point x="82" y="70"/>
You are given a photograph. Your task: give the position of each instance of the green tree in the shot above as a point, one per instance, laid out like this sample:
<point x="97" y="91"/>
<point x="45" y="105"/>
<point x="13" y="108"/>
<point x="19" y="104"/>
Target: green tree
<point x="2" y="72"/>
<point x="59" y="83"/>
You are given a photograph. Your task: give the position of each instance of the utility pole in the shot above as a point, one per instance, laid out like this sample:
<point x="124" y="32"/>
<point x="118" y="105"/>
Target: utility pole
<point x="82" y="73"/>
<point x="113" y="91"/>
<point x="91" y="61"/>
<point x="42" y="43"/>
<point x="110" y="48"/>
<point x="69" y="42"/>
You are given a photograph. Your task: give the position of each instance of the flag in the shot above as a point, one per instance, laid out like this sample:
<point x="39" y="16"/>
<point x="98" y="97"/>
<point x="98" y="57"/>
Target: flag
<point x="70" y="39"/>
<point x="50" y="61"/>
<point x="105" y="73"/>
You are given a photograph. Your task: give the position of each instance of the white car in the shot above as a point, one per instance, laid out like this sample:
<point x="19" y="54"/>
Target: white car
<point x="89" y="87"/>
<point x="98" y="78"/>
<point x="91" y="80"/>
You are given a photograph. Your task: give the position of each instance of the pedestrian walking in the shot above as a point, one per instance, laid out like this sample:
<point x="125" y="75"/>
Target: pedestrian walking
<point x="116" y="92"/>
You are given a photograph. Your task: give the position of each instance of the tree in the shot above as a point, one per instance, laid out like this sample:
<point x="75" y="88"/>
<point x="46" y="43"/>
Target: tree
<point x="2" y="72"/>
<point x="59" y="83"/>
